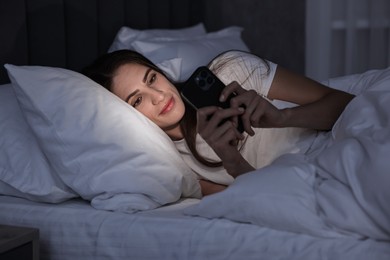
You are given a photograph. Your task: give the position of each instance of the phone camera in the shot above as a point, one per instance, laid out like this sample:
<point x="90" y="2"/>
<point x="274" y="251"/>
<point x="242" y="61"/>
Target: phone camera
<point x="210" y="80"/>
<point x="200" y="82"/>
<point x="203" y="74"/>
<point x="204" y="80"/>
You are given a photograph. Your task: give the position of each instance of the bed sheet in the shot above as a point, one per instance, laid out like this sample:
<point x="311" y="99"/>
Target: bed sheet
<point x="75" y="230"/>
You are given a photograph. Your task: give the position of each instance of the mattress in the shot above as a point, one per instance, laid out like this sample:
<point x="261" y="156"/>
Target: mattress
<point x="75" y="230"/>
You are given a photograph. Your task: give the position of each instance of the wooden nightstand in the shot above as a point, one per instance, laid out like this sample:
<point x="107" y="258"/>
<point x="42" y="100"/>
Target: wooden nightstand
<point x="19" y="243"/>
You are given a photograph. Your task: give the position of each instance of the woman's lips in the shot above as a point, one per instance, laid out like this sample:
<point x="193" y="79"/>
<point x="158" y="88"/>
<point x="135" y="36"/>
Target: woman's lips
<point x="168" y="107"/>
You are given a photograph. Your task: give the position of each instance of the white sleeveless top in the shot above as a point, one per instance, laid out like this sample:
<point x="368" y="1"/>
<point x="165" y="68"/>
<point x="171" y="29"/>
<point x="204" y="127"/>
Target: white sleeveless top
<point x="267" y="144"/>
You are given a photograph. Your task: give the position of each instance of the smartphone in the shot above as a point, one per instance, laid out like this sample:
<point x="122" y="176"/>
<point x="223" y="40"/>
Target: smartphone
<point x="203" y="89"/>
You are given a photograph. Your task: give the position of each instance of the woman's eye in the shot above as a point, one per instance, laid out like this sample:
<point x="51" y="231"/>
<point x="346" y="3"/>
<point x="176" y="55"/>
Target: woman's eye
<point x="152" y="78"/>
<point x="137" y="101"/>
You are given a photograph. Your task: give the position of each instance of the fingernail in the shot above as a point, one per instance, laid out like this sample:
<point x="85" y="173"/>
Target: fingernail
<point x="241" y="109"/>
<point x="221" y="98"/>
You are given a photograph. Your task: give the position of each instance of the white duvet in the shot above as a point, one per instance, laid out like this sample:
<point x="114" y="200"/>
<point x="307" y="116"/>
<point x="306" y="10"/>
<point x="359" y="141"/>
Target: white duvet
<point x="353" y="173"/>
<point x="342" y="191"/>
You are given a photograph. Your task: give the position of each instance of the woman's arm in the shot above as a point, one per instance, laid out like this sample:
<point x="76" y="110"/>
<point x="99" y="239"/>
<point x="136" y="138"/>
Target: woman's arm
<point x="318" y="106"/>
<point x="208" y="187"/>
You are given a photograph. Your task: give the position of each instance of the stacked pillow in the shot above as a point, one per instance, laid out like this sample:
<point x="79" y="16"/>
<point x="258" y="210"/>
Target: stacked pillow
<point x="179" y="54"/>
<point x="126" y="35"/>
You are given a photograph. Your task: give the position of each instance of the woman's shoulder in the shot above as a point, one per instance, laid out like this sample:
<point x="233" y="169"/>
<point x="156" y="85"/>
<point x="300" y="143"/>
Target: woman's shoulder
<point x="249" y="70"/>
<point x="234" y="58"/>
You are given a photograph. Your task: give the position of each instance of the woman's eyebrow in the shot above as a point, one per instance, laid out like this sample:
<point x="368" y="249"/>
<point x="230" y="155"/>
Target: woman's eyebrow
<point x="137" y="90"/>
<point x="131" y="94"/>
<point x="146" y="75"/>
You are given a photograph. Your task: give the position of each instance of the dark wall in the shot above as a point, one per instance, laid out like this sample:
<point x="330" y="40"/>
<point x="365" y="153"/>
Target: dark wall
<point x="273" y="29"/>
<point x="71" y="33"/>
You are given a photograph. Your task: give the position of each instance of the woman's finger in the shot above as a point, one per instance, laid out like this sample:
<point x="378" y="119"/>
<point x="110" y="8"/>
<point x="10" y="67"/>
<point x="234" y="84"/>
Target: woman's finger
<point x="209" y="122"/>
<point x="225" y="114"/>
<point x="224" y="136"/>
<point x="204" y="113"/>
<point x="231" y="88"/>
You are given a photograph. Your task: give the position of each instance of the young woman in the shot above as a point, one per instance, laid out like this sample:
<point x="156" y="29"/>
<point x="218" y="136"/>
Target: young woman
<point x="219" y="152"/>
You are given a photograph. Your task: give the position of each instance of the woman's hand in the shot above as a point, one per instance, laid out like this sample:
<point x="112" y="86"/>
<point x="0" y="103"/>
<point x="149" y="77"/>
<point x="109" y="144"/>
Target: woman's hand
<point x="220" y="132"/>
<point x="216" y="128"/>
<point x="258" y="111"/>
<point x="208" y="187"/>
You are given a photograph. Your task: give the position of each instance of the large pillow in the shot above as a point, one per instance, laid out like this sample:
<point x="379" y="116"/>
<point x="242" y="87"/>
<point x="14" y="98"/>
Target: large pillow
<point x="24" y="169"/>
<point x="126" y="35"/>
<point x="193" y="51"/>
<point x="279" y="196"/>
<point x="100" y="146"/>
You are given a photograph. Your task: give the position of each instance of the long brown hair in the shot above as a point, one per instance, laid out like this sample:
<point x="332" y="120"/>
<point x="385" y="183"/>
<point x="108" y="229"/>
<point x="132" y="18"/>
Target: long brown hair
<point x="103" y="70"/>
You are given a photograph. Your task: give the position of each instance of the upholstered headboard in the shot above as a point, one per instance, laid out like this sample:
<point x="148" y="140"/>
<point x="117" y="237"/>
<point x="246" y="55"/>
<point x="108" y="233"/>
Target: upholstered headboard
<point x="71" y="33"/>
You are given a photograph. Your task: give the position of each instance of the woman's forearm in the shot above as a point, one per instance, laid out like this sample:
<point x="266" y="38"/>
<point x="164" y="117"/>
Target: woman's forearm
<point x="319" y="106"/>
<point x="209" y="187"/>
<point x="237" y="167"/>
<point x="320" y="115"/>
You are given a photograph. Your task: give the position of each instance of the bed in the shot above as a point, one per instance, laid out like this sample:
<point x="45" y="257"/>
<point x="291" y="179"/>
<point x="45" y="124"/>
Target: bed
<point x="68" y="168"/>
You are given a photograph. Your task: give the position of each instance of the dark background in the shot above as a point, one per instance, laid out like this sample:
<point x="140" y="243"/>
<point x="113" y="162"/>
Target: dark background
<point x="71" y="33"/>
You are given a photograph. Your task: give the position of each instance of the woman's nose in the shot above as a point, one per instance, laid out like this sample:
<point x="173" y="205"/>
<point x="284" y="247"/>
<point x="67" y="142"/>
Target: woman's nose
<point x="157" y="96"/>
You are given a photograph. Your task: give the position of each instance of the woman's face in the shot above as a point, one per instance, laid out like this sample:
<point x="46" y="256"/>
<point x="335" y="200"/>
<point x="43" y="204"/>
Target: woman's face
<point x="152" y="94"/>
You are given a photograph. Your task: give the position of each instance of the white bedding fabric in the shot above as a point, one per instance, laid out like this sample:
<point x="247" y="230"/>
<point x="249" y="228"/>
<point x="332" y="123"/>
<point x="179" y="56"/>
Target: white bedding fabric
<point x="98" y="145"/>
<point x="296" y="213"/>
<point x="73" y="230"/>
<point x="193" y="52"/>
<point x="342" y="190"/>
<point x="126" y="35"/>
<point x="20" y="155"/>
<point x="179" y="52"/>
<point x="354" y="171"/>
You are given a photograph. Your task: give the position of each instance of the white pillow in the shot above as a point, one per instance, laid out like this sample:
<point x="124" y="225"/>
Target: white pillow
<point x="24" y="169"/>
<point x="100" y="146"/>
<point x="194" y="51"/>
<point x="126" y="35"/>
<point x="279" y="196"/>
